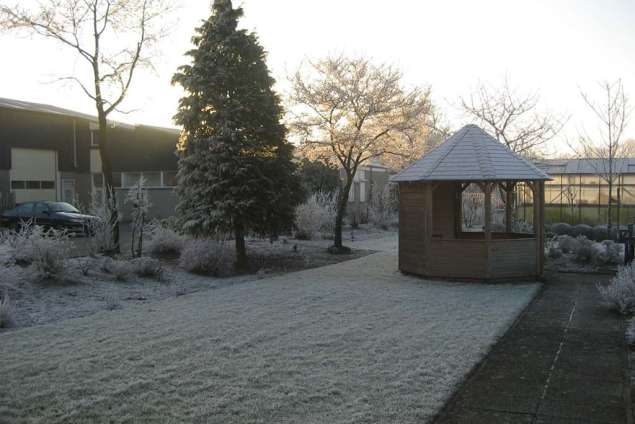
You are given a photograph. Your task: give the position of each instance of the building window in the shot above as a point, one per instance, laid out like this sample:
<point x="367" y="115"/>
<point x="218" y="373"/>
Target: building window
<point x="362" y="191"/>
<point x="33" y="185"/>
<point x="130" y="179"/>
<point x="169" y="179"/>
<point x="93" y="139"/>
<point x="18" y="185"/>
<point x="47" y="185"/>
<point x="153" y="179"/>
<point x="116" y="179"/>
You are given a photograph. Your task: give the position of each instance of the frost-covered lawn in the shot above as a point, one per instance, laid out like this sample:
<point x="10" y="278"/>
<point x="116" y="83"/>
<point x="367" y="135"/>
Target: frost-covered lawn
<point x="351" y="342"/>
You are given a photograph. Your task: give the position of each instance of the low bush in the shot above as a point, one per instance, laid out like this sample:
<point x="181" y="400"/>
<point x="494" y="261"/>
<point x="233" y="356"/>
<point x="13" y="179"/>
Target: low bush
<point x="585" y="252"/>
<point x="315" y="217"/>
<point x="554" y="252"/>
<point x="147" y="267"/>
<point x="568" y="244"/>
<point x="206" y="256"/>
<point x="383" y="207"/>
<point x="583" y="230"/>
<point x="619" y="294"/>
<point x="562" y="228"/>
<point x="163" y="241"/>
<point x="121" y="270"/>
<point x="601" y="232"/>
<point x="45" y="251"/>
<point x="6" y="312"/>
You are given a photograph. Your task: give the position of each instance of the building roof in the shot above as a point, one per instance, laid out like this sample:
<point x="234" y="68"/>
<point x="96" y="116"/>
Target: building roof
<point x="471" y="154"/>
<point x="586" y="166"/>
<point x="54" y="110"/>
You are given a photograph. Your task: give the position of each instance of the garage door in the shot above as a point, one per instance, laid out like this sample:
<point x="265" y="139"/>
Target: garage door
<point x="33" y="174"/>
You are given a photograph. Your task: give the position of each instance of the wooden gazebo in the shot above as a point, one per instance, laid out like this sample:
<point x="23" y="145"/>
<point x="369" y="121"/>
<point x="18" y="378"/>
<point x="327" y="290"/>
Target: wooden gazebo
<point x="432" y="240"/>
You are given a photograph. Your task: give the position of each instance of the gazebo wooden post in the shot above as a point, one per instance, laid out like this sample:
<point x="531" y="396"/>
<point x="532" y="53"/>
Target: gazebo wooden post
<point x="427" y="222"/>
<point x="487" y="190"/>
<point x="539" y="229"/>
<point x="509" y="199"/>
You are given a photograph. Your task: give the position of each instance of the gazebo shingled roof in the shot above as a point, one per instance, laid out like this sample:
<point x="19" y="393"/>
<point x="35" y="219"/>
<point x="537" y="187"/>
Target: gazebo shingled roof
<point x="471" y="155"/>
<point x="433" y="241"/>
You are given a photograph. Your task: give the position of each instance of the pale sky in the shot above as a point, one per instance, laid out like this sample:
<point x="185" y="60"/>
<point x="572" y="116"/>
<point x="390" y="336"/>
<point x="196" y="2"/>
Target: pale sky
<point x="553" y="46"/>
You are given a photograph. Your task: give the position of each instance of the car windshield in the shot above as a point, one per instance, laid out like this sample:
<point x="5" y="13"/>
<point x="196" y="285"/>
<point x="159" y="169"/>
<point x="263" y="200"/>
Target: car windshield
<point x="62" y="207"/>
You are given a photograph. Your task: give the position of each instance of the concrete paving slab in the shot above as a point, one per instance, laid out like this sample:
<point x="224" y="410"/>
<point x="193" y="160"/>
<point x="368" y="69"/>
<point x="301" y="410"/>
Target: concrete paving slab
<point x="563" y="362"/>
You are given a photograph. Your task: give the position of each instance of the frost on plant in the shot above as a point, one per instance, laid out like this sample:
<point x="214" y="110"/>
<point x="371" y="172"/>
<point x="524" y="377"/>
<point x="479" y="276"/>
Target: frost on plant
<point x="121" y="270"/>
<point x="139" y="200"/>
<point x="147" y="267"/>
<point x="206" y="256"/>
<point x="163" y="240"/>
<point x="316" y="217"/>
<point x="620" y="292"/>
<point x="383" y="207"/>
<point x="6" y="312"/>
<point x="46" y="251"/>
<point x="102" y="230"/>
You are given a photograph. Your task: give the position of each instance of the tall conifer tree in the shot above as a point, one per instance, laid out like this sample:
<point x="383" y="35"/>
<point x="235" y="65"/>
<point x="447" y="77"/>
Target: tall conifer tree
<point x="235" y="166"/>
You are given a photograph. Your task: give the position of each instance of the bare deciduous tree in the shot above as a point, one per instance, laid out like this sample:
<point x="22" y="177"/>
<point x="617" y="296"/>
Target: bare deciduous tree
<point x="606" y="145"/>
<point x="112" y="37"/>
<point x="352" y="110"/>
<point x="512" y="117"/>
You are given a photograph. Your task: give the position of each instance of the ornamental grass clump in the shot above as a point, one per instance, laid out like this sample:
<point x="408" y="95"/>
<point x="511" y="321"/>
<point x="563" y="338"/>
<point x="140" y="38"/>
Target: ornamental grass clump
<point x="619" y="294"/>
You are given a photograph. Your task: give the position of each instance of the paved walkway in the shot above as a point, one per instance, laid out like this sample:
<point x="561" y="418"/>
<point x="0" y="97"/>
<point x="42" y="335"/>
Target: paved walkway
<point x="564" y="361"/>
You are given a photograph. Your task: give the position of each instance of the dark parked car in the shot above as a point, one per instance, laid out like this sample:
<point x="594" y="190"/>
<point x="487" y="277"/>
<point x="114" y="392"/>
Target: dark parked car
<point x="58" y="215"/>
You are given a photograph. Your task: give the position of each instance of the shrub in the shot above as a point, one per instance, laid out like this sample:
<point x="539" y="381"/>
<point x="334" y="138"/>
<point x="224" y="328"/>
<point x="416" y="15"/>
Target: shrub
<point x="600" y="232"/>
<point x="147" y="267"/>
<point x="45" y="251"/>
<point x="101" y="229"/>
<point x="605" y="253"/>
<point x="316" y="216"/>
<point x="163" y="240"/>
<point x="554" y="253"/>
<point x="619" y="294"/>
<point x="562" y="228"/>
<point x="383" y="207"/>
<point x="584" y="254"/>
<point x="206" y="256"/>
<point x="568" y="244"/>
<point x="6" y="312"/>
<point x="583" y="230"/>
<point x="121" y="270"/>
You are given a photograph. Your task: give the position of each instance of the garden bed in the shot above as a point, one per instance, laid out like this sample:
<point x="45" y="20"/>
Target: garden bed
<point x="81" y="295"/>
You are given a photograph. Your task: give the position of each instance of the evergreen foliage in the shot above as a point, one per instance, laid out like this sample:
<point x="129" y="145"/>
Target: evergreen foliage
<point x="235" y="166"/>
<point x="318" y="177"/>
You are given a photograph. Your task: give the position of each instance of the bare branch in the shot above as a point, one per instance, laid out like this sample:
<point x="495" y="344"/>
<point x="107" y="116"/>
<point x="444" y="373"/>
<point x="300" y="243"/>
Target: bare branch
<point x="512" y="118"/>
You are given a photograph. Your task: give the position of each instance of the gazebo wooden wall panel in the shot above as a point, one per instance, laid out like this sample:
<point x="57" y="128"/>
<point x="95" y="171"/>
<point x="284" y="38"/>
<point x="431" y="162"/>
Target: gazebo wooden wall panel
<point x="512" y="258"/>
<point x="462" y="259"/>
<point x="412" y="227"/>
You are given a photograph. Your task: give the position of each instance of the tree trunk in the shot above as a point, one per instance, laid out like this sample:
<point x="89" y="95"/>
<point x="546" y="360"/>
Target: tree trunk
<point x="610" y="204"/>
<point x="241" y="251"/>
<point x="106" y="168"/>
<point x="342" y="202"/>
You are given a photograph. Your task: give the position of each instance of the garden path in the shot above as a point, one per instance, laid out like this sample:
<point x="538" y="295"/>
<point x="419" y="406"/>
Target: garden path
<point x="565" y="361"/>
